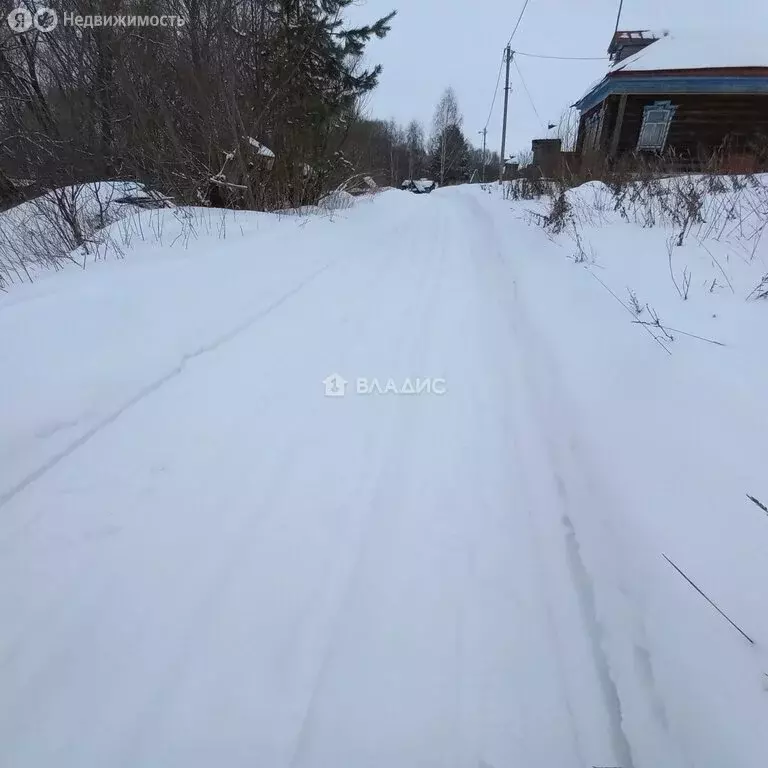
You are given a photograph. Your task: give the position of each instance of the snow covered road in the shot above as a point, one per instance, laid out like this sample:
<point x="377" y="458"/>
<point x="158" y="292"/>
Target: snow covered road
<point x="217" y="564"/>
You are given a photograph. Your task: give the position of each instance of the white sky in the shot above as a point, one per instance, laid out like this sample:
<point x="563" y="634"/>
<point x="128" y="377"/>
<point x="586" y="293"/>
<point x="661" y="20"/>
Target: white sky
<point x="437" y="43"/>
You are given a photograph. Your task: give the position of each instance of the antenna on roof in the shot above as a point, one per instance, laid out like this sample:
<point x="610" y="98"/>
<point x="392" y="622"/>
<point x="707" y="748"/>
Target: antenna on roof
<point x="618" y="16"/>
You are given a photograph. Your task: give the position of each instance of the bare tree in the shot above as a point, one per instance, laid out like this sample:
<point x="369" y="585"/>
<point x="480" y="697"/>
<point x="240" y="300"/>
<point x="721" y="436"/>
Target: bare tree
<point x="169" y="105"/>
<point x="415" y="144"/>
<point x="446" y="116"/>
<point x="568" y="129"/>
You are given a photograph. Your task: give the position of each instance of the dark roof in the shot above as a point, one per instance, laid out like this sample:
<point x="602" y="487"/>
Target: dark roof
<point x="624" y="36"/>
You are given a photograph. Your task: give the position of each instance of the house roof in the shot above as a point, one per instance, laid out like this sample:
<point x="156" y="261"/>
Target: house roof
<point x="689" y="50"/>
<point x="688" y="62"/>
<point x="624" y="37"/>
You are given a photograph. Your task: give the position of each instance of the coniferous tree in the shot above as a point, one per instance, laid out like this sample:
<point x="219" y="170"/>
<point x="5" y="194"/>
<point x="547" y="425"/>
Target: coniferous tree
<point x="177" y="106"/>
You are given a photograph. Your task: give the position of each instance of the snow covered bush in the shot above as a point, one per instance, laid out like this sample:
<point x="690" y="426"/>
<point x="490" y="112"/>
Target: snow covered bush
<point x="559" y="215"/>
<point x="729" y="210"/>
<point x="63" y="225"/>
<point x="338" y="200"/>
<point x="692" y="246"/>
<point x="526" y="188"/>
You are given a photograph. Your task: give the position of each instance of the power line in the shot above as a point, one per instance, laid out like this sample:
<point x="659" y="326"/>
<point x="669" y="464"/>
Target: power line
<point x="501" y="64"/>
<point x="562" y="58"/>
<point x="495" y="92"/>
<point x="519" y="19"/>
<point x="528" y="94"/>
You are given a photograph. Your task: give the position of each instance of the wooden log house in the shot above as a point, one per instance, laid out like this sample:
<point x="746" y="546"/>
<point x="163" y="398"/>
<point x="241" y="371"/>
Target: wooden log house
<point x="684" y="98"/>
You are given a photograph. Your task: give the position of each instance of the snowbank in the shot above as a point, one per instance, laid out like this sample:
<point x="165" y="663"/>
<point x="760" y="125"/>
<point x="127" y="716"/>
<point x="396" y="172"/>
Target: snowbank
<point x="336" y="201"/>
<point x="476" y="578"/>
<point x="678" y="419"/>
<point x="101" y="198"/>
<point x="39" y="232"/>
<point x="71" y="346"/>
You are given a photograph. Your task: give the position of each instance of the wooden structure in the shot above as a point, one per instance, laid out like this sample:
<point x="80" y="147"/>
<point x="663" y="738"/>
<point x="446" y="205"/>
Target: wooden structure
<point x="628" y="42"/>
<point x="682" y="100"/>
<point x="550" y="161"/>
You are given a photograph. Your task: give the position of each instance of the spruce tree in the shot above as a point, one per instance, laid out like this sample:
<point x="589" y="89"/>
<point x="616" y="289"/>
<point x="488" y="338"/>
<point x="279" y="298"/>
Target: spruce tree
<point x="324" y="81"/>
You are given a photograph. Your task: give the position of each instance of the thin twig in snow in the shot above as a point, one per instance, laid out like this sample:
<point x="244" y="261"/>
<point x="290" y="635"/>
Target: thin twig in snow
<point x="760" y="291"/>
<point x="657" y="323"/>
<point x="717" y="264"/>
<point x="759" y="503"/>
<point x="650" y="333"/>
<point x="735" y="626"/>
<point x="675" y="330"/>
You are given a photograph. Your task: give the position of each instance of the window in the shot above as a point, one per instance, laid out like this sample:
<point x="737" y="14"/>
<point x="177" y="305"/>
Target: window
<point x="657" y="118"/>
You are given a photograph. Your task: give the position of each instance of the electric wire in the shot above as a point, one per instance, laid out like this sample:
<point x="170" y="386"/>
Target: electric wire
<point x="495" y="93"/>
<point x="528" y="94"/>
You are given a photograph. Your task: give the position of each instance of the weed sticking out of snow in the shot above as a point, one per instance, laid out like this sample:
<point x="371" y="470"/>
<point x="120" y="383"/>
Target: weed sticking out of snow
<point x="760" y="291"/>
<point x="706" y="231"/>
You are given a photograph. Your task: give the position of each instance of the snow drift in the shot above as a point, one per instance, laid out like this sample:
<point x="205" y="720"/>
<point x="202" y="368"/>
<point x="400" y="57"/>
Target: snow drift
<point x="203" y="558"/>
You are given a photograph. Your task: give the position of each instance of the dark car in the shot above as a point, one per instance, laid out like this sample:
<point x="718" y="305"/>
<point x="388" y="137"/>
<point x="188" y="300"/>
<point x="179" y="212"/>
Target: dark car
<point x="419" y="186"/>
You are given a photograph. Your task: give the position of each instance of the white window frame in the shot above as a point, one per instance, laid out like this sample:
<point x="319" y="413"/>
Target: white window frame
<point x="657" y="124"/>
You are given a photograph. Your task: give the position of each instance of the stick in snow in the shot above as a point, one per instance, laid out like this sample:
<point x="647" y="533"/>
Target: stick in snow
<point x="675" y="330"/>
<point x="653" y="336"/>
<point x="735" y="626"/>
<point x="759" y="503"/>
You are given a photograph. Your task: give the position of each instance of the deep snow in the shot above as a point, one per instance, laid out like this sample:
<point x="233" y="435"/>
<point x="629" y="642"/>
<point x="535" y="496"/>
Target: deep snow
<point x="204" y="559"/>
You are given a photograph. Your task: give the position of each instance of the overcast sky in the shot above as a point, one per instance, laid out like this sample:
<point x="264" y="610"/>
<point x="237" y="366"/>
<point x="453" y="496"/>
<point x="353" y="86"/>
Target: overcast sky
<point x="437" y="43"/>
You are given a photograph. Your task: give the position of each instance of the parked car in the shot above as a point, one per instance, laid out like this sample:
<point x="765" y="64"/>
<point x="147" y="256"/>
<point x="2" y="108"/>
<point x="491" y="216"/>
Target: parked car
<point x="419" y="186"/>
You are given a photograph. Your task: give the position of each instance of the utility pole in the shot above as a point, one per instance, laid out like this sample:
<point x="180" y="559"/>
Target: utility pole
<point x="508" y="57"/>
<point x="485" y="133"/>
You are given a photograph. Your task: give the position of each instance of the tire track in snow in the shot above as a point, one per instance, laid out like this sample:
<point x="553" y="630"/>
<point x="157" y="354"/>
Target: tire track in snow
<point x="232" y="556"/>
<point x="491" y="270"/>
<point x="530" y="361"/>
<point x="555" y="634"/>
<point x="421" y="310"/>
<point x="541" y="375"/>
<point x="145" y="392"/>
<point x="585" y="591"/>
<point x="357" y="305"/>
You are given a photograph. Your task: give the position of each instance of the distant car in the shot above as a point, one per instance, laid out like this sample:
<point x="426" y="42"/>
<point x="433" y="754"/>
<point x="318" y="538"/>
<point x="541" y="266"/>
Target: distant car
<point x="419" y="186"/>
